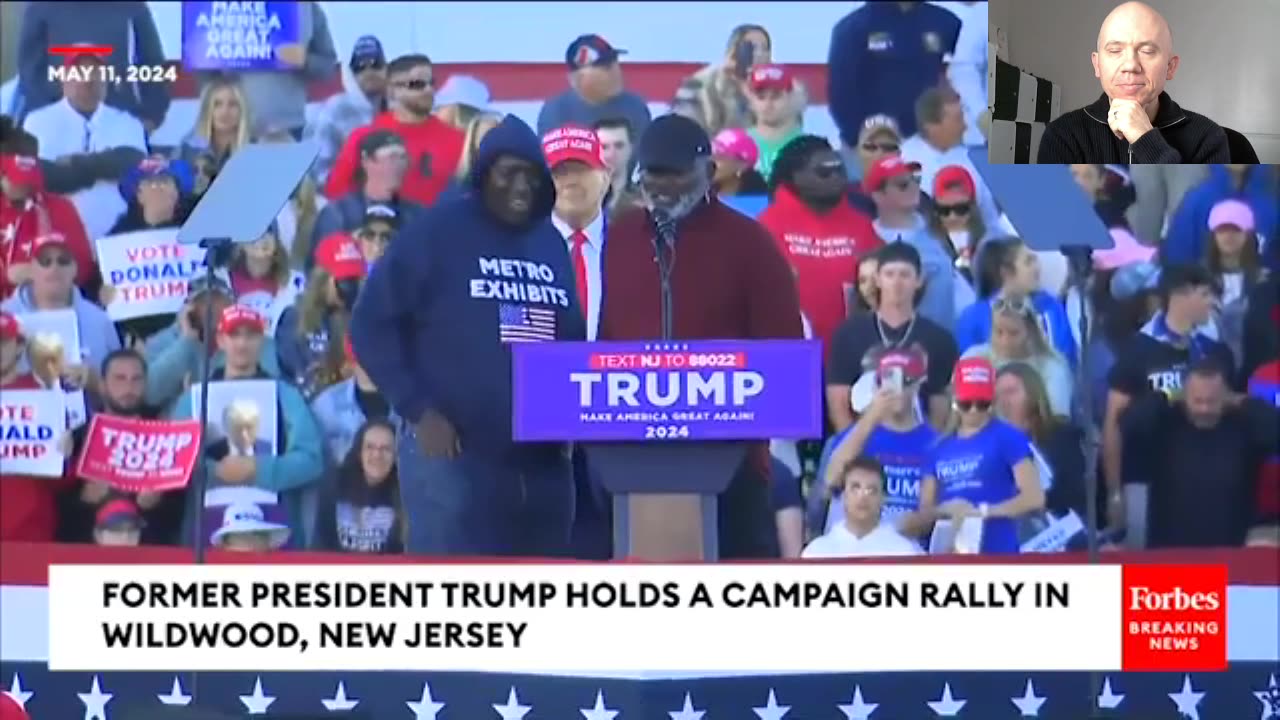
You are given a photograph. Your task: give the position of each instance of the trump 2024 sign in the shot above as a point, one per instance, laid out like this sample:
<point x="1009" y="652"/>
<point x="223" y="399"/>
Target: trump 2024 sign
<point x="663" y="391"/>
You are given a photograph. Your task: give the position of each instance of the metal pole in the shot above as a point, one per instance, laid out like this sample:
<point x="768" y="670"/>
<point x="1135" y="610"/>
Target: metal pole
<point x="1080" y="264"/>
<point x="215" y="252"/>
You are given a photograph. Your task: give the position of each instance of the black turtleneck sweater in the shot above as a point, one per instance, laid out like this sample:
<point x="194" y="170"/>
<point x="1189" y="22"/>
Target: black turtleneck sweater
<point x="1180" y="137"/>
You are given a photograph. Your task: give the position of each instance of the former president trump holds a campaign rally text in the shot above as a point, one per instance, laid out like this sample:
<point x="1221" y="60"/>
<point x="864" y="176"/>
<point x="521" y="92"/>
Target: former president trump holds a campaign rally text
<point x="727" y="280"/>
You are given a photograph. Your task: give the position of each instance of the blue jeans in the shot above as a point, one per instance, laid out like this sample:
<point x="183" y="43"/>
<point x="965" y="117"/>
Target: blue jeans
<point x="477" y="505"/>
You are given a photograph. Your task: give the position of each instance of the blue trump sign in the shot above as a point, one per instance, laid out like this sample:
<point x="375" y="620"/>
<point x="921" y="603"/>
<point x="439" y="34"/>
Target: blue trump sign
<point x="239" y="35"/>
<point x="638" y="391"/>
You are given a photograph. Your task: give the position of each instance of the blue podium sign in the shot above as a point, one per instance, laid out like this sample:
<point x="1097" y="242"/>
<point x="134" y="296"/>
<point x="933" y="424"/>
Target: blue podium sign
<point x="637" y="391"/>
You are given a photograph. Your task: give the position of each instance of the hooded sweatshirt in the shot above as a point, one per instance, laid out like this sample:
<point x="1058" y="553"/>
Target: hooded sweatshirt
<point x="427" y="324"/>
<point x="1189" y="226"/>
<point x="44" y="212"/>
<point x="434" y="147"/>
<point x="824" y="248"/>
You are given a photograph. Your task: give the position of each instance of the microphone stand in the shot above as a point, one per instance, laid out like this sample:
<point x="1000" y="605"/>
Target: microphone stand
<point x="217" y="254"/>
<point x="1080" y="269"/>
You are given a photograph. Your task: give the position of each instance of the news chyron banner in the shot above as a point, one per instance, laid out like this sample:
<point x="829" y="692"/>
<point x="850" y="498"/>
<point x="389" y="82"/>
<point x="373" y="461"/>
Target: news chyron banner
<point x="553" y="618"/>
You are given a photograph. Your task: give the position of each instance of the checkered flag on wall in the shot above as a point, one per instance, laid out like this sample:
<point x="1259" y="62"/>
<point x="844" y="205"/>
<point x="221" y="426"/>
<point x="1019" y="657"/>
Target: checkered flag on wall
<point x="1021" y="105"/>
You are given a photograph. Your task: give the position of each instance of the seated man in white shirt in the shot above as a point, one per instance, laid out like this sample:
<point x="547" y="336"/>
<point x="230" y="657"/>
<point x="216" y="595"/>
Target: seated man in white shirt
<point x="97" y="142"/>
<point x="863" y="532"/>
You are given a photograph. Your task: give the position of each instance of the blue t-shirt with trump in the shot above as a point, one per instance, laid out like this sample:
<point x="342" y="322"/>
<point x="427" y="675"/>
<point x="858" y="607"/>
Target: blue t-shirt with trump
<point x="904" y="455"/>
<point x="979" y="468"/>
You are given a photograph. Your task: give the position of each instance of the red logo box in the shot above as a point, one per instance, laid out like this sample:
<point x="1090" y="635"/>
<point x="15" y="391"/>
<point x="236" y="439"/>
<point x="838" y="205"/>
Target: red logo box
<point x="1175" y="617"/>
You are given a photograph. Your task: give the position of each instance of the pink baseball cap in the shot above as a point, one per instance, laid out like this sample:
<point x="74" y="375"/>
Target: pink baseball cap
<point x="737" y="144"/>
<point x="1231" y="212"/>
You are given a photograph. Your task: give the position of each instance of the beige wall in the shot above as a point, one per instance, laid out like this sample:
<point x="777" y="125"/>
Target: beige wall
<point x="1230" y="67"/>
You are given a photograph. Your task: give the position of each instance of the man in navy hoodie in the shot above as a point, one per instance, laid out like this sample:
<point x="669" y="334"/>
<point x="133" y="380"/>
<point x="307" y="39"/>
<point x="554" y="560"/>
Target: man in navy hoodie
<point x="432" y="329"/>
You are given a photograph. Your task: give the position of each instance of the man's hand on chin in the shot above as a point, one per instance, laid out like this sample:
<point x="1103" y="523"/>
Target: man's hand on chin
<point x="1128" y="120"/>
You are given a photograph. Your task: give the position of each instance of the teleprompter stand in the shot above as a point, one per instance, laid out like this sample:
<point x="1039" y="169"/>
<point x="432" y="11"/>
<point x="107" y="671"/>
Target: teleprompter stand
<point x="238" y="208"/>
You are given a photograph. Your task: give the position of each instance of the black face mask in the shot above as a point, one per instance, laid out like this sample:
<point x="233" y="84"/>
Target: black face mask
<point x="348" y="291"/>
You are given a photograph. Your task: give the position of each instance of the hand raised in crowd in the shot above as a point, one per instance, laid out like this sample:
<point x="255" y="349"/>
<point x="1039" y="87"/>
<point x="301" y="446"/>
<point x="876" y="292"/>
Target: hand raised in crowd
<point x="185" y="325"/>
<point x="1128" y="120"/>
<point x="147" y="500"/>
<point x="78" y="375"/>
<point x="94" y="492"/>
<point x="66" y="445"/>
<point x="236" y="470"/>
<point x="19" y="273"/>
<point x="1116" y="518"/>
<point x="884" y="403"/>
<point x="437" y="437"/>
<point x="107" y="294"/>
<point x="293" y="54"/>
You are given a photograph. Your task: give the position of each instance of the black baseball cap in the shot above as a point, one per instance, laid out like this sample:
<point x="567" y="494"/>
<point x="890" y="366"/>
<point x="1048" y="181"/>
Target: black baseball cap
<point x="367" y="53"/>
<point x="378" y="139"/>
<point x="381" y="213"/>
<point x="591" y="50"/>
<point x="674" y="143"/>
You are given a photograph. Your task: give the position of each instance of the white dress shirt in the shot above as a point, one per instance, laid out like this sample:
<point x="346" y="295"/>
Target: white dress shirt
<point x="839" y="542"/>
<point x="63" y="131"/>
<point x="591" y="251"/>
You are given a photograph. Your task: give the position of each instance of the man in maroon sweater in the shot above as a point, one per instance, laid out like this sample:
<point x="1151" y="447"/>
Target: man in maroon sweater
<point x="728" y="281"/>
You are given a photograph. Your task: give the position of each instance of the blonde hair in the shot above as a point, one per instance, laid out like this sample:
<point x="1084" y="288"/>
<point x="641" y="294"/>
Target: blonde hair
<point x="471" y="141"/>
<point x="1026" y="312"/>
<point x="305" y="212"/>
<point x="241" y="412"/>
<point x="204" y="120"/>
<point x="46" y="343"/>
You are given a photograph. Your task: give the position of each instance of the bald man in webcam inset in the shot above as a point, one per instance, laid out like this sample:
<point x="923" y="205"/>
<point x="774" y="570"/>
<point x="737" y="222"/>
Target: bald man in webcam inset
<point x="1134" y="120"/>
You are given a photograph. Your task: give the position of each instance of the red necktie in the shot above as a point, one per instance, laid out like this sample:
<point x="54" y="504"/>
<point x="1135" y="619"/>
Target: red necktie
<point x="579" y="238"/>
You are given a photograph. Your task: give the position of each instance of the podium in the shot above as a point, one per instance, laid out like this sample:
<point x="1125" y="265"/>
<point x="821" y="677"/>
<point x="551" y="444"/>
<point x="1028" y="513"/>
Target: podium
<point x="665" y="425"/>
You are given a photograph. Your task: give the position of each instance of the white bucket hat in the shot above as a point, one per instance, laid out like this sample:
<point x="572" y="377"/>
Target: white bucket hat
<point x="246" y="518"/>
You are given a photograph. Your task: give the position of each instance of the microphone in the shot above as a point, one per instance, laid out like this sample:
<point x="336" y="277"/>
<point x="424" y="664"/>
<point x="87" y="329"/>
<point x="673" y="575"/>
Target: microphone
<point x="664" y="248"/>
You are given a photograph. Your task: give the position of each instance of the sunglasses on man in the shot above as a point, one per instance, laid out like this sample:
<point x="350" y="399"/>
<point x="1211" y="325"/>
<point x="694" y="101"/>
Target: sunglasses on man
<point x="959" y="209"/>
<point x="413" y="84"/>
<point x="972" y="405"/>
<point x="61" y="260"/>
<point x="882" y="147"/>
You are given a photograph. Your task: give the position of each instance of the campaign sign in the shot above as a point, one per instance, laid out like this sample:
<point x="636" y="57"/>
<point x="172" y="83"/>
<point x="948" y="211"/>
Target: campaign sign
<point x="637" y="391"/>
<point x="239" y="35"/>
<point x="31" y="426"/>
<point x="139" y="455"/>
<point x="148" y="270"/>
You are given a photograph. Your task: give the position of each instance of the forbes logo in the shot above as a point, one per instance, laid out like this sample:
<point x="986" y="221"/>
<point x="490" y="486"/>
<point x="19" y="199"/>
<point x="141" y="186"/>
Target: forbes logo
<point x="1174" y="617"/>
<point x="1145" y="598"/>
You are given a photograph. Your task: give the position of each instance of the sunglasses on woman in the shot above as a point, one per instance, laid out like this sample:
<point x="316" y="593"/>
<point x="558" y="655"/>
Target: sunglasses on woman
<point x="61" y="260"/>
<point x="972" y="405"/>
<point x="960" y="209"/>
<point x="1020" y="306"/>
